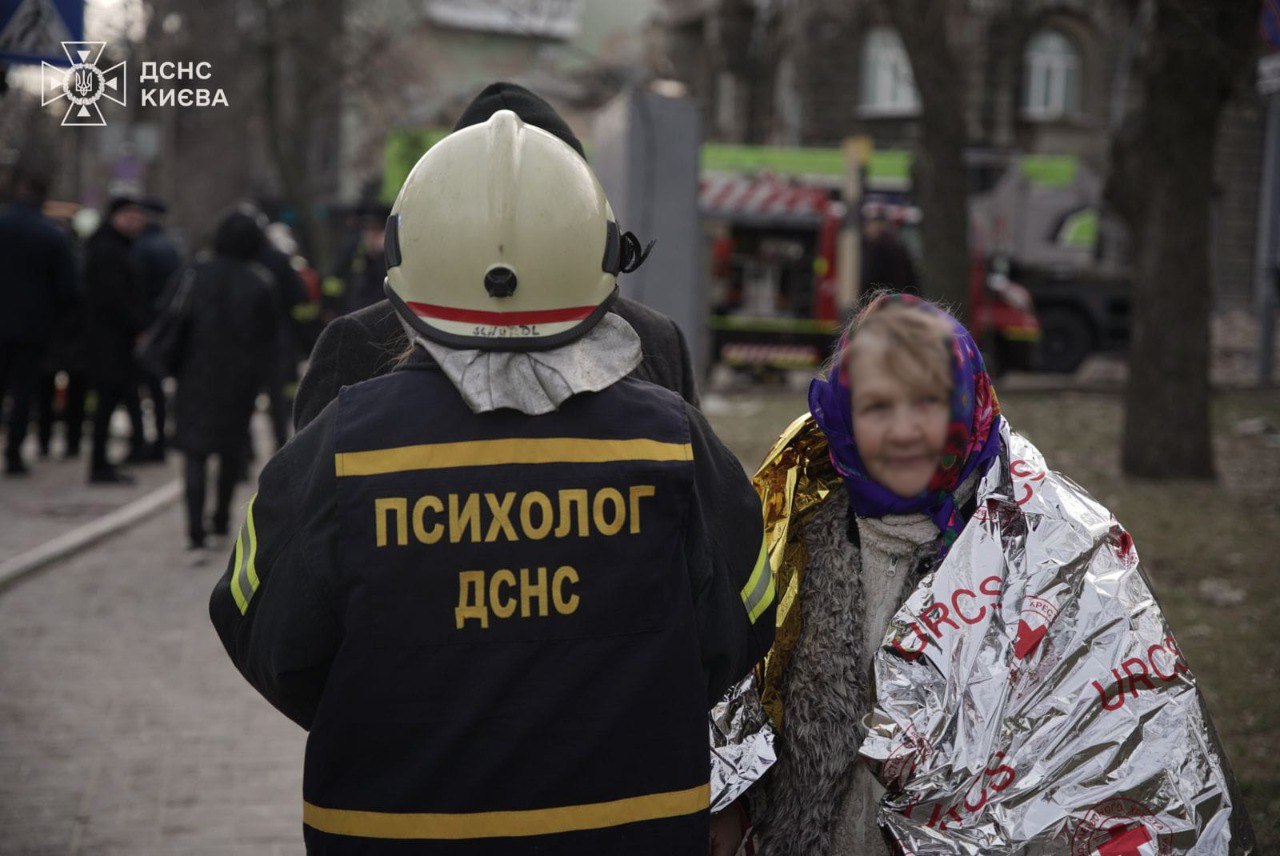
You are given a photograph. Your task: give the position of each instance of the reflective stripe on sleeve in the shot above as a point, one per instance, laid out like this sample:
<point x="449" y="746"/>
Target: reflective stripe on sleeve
<point x="241" y="601"/>
<point x="244" y="576"/>
<point x="487" y="453"/>
<point x="758" y="593"/>
<point x="506" y="824"/>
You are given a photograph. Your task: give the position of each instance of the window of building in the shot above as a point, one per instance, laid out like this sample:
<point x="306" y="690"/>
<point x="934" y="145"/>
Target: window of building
<point x="551" y="19"/>
<point x="786" y="105"/>
<point x="728" y="115"/>
<point x="1052" y="77"/>
<point x="888" y="86"/>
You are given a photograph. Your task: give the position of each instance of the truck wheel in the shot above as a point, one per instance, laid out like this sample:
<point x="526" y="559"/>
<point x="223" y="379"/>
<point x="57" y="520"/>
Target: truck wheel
<point x="1066" y="338"/>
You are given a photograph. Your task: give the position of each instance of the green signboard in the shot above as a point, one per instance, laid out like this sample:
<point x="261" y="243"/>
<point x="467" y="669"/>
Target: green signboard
<point x="885" y="167"/>
<point x="1050" y="170"/>
<point x="404" y="147"/>
<point x="889" y="168"/>
<point x="787" y="161"/>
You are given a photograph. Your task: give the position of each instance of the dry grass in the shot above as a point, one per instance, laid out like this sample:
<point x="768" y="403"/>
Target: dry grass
<point x="1209" y="548"/>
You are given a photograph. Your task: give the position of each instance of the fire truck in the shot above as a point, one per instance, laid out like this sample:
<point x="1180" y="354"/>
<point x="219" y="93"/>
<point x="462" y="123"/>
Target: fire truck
<point x="773" y="220"/>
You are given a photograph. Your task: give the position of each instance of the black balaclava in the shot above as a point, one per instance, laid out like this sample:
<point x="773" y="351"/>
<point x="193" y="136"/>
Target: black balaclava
<point x="530" y="108"/>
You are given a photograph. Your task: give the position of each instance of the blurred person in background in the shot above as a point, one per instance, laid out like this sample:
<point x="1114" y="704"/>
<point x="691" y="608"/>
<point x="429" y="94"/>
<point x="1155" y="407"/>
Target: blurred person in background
<point x="156" y="257"/>
<point x="37" y="289"/>
<point x="228" y="348"/>
<point x="290" y="334"/>
<point x="356" y="281"/>
<point x="886" y="262"/>
<point x="64" y="373"/>
<point x="63" y="402"/>
<point x="305" y="316"/>
<point x="116" y="312"/>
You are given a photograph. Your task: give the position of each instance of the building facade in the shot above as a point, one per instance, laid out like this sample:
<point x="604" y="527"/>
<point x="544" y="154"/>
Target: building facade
<point x="1042" y="77"/>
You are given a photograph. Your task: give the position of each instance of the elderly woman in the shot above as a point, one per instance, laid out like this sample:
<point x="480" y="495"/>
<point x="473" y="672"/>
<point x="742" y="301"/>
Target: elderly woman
<point x="968" y="657"/>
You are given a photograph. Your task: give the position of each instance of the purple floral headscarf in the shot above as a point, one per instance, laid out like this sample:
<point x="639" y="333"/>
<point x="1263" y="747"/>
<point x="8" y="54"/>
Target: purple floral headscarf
<point x="973" y="435"/>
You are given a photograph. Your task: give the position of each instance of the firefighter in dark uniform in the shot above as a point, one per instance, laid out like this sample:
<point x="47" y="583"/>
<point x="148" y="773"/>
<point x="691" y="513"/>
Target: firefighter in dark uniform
<point x="502" y="585"/>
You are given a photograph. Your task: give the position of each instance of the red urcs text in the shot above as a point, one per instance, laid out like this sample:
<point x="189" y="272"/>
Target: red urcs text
<point x="997" y="777"/>
<point x="1162" y="664"/>
<point x="1021" y="469"/>
<point x="963" y="606"/>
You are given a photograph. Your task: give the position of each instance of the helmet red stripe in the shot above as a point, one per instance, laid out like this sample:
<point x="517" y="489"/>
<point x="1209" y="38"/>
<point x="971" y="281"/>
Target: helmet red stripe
<point x="481" y="316"/>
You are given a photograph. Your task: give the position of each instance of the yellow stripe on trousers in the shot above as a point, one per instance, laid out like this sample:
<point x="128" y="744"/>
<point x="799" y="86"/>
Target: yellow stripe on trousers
<point x="507" y="824"/>
<point x="522" y="450"/>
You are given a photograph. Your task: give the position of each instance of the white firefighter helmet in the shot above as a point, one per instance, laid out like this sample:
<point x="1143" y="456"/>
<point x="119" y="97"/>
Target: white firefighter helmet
<point x="502" y="239"/>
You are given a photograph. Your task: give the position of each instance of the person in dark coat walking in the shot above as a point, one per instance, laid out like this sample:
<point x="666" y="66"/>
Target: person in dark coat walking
<point x="368" y="342"/>
<point x="226" y="354"/>
<point x="67" y="356"/>
<point x="156" y="257"/>
<point x="37" y="288"/>
<point x="116" y="314"/>
<point x="290" y="295"/>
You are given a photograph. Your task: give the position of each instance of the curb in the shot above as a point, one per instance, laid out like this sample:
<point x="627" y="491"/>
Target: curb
<point x="14" y="569"/>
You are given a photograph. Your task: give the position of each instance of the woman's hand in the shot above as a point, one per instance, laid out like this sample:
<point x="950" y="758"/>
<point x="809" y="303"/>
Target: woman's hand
<point x="727" y="830"/>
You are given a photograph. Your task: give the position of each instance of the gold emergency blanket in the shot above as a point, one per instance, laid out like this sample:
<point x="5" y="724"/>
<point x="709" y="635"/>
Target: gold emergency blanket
<point x="1029" y="697"/>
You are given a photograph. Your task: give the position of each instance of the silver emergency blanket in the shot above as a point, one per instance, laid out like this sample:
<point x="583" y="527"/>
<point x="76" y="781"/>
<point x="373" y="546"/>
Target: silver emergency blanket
<point x="1030" y="698"/>
<point x="741" y="743"/>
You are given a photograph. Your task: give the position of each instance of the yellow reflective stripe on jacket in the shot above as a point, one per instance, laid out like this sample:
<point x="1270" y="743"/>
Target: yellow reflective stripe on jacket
<point x="250" y="565"/>
<point x="333" y="286"/>
<point x="244" y="576"/>
<point x="479" y="453"/>
<point x="241" y="601"/>
<point x="507" y="824"/>
<point x="758" y="593"/>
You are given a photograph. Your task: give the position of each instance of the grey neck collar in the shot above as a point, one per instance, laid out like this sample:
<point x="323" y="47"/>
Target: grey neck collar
<point x="537" y="382"/>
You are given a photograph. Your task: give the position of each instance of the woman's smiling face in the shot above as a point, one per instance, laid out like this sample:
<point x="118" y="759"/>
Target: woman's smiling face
<point x="900" y="427"/>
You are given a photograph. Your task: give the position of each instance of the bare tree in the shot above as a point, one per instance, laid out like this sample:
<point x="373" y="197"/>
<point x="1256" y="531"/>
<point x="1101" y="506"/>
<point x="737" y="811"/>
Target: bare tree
<point x="1161" y="183"/>
<point x="298" y="48"/>
<point x="287" y="67"/>
<point x="927" y="28"/>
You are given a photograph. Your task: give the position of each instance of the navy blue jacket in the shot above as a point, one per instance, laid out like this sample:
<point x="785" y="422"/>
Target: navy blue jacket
<point x="504" y="632"/>
<point x="37" y="282"/>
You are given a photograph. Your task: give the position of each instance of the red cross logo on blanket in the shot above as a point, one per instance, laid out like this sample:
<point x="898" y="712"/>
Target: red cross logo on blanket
<point x="1120" y="827"/>
<point x="1126" y="841"/>
<point x="1033" y="624"/>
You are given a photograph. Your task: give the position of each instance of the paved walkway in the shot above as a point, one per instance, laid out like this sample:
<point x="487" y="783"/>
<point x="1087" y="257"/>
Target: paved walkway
<point x="56" y="497"/>
<point x="124" y="728"/>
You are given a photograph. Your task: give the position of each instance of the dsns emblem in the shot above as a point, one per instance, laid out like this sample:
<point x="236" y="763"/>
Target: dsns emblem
<point x="83" y="84"/>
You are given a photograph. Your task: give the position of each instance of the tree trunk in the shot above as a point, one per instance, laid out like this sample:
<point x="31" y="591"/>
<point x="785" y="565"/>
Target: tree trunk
<point x="1161" y="184"/>
<point x="304" y="52"/>
<point x="941" y="178"/>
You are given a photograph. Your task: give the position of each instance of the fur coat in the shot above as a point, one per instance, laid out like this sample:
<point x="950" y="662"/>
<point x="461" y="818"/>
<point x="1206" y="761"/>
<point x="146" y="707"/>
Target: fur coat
<point x="819" y="799"/>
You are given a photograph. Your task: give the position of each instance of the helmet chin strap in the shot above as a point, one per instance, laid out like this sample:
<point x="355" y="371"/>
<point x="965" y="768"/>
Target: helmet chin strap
<point x="632" y="254"/>
<point x="622" y="250"/>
